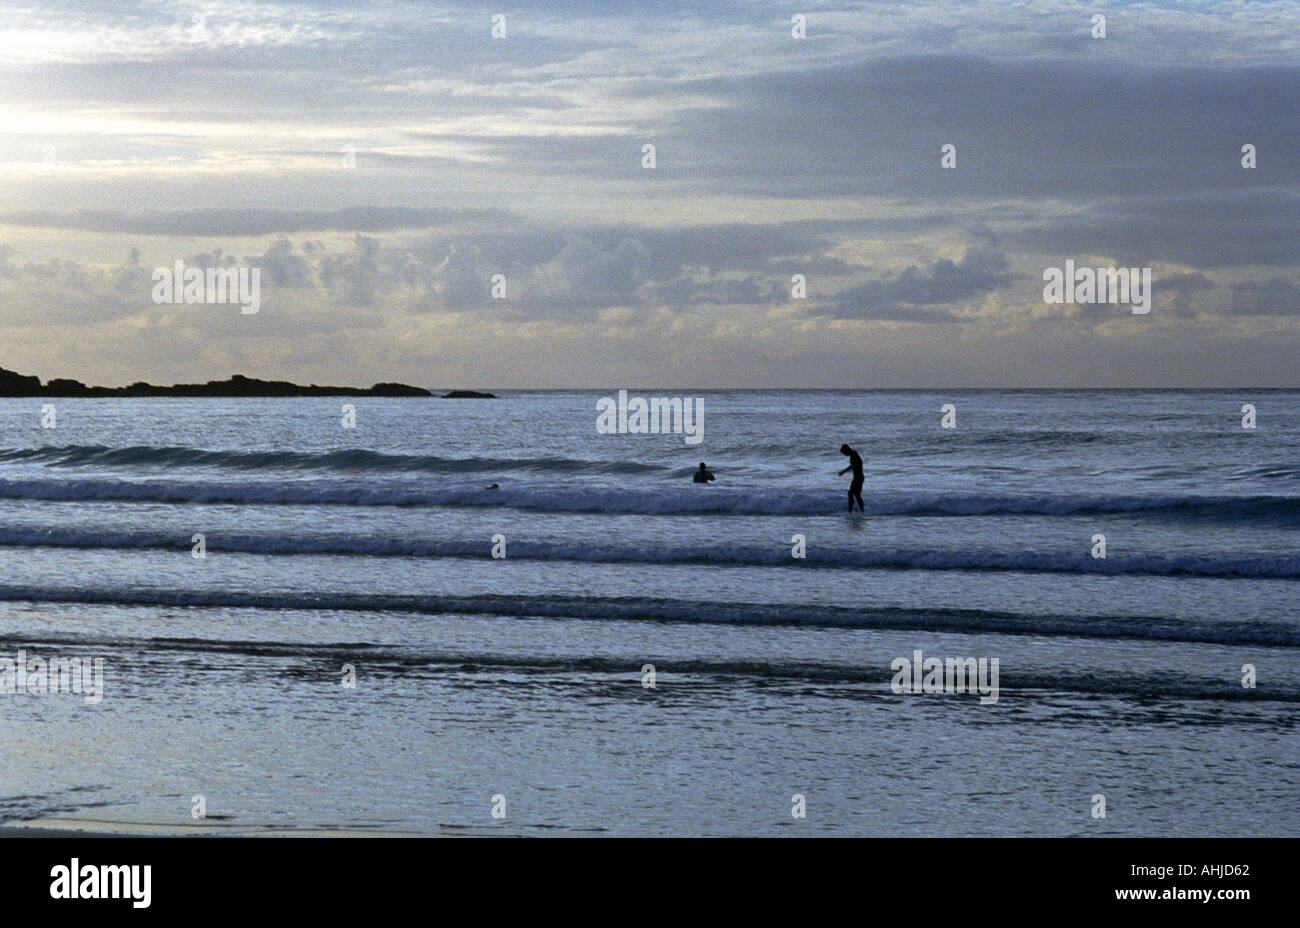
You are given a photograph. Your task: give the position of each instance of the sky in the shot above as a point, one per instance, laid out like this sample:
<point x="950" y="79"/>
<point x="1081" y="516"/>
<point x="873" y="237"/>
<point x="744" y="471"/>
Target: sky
<point x="382" y="163"/>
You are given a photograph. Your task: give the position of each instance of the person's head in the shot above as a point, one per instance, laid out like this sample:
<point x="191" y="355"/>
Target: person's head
<point x="845" y="449"/>
<point x="702" y="467"/>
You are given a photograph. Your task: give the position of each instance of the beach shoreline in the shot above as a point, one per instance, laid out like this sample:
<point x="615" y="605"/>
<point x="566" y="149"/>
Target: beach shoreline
<point x="87" y="828"/>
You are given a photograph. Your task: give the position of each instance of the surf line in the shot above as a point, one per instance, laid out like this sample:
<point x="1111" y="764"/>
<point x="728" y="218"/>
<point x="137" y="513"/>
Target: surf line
<point x="659" y="415"/>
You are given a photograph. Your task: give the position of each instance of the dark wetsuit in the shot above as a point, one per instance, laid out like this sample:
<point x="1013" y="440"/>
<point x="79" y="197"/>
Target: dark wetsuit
<point x="855" y="488"/>
<point x="702" y="476"/>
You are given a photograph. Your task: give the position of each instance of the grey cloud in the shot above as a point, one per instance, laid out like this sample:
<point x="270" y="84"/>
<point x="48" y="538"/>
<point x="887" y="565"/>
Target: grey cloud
<point x="235" y="222"/>
<point x="1020" y="127"/>
<point x="1275" y="297"/>
<point x="1207" y="230"/>
<point x="914" y="294"/>
<point x="463" y="279"/>
<point x="1188" y="289"/>
<point x="588" y="273"/>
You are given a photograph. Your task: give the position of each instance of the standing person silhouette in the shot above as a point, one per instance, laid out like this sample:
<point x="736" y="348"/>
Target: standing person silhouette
<point x="855" y="488"/>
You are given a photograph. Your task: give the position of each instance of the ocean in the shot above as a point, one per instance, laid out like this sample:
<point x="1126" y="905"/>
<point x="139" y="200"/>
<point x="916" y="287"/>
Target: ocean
<point x="649" y="657"/>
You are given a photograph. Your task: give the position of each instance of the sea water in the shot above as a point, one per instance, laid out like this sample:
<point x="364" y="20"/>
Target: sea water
<point x="303" y="626"/>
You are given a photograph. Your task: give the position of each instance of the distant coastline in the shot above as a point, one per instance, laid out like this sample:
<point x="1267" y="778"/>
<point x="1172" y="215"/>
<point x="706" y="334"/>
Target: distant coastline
<point x="14" y="384"/>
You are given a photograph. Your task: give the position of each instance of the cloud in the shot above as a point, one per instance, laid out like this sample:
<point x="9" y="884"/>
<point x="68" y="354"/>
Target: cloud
<point x="775" y="156"/>
<point x="923" y="294"/>
<point x="1275" y="297"/>
<point x="1020" y="127"/>
<point x="1223" y="229"/>
<point x="224" y="223"/>
<point x="1188" y="289"/>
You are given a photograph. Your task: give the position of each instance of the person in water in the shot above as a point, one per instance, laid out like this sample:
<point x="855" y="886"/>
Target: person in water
<point x="855" y="488"/>
<point x="702" y="475"/>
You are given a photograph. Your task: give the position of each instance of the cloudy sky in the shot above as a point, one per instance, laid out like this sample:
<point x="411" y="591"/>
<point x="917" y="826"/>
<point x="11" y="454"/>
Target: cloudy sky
<point x="380" y="162"/>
